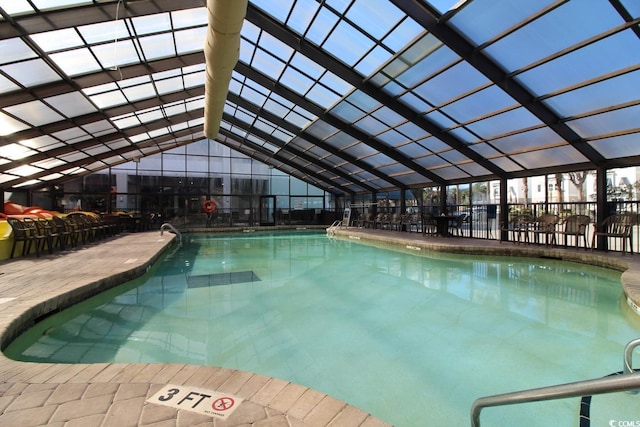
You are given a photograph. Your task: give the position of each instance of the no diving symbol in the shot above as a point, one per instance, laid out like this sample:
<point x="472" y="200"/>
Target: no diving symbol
<point x="223" y="403"/>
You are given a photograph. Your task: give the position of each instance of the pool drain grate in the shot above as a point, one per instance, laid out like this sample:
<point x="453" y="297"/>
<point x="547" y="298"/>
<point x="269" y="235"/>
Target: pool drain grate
<point x="220" y="279"/>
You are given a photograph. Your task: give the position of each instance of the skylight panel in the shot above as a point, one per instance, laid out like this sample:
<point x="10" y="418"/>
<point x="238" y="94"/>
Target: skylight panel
<point x="191" y="40"/>
<point x="296" y="80"/>
<point x="119" y="53"/>
<point x="114" y="30"/>
<point x="15" y="151"/>
<point x="189" y="17"/>
<point x="71" y="104"/>
<point x="559" y="29"/>
<point x="58" y="39"/>
<point x="403" y="34"/>
<point x="52" y="177"/>
<point x="324" y="21"/>
<point x="76" y="62"/>
<point x="98" y="128"/>
<point x="618" y="146"/>
<point x="139" y="92"/>
<point x="526" y="141"/>
<point x="155" y="23"/>
<point x="174" y="84"/>
<point x="323" y="96"/>
<point x="370" y="125"/>
<point x="31" y="73"/>
<point x="612" y="54"/>
<point x="126" y="121"/>
<point x="633" y="7"/>
<point x="15" y="49"/>
<point x="279" y="9"/>
<point x="267" y="64"/>
<point x="348" y="44"/>
<point x="376" y="17"/>
<point x="72" y="135"/>
<point x="35" y="113"/>
<point x="482" y="20"/>
<point x="24" y="170"/>
<point x="109" y="99"/>
<point x="609" y="122"/>
<point x="7" y="85"/>
<point x="373" y="60"/>
<point x="157" y="46"/>
<point x="194" y="79"/>
<point x="302" y="15"/>
<point x="507" y="122"/>
<point x="454" y="82"/>
<point x="16" y="7"/>
<point x="615" y="91"/>
<point x="556" y="156"/>
<point x="479" y="104"/>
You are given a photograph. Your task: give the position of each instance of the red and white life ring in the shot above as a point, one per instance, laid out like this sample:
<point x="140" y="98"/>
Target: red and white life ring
<point x="209" y="206"/>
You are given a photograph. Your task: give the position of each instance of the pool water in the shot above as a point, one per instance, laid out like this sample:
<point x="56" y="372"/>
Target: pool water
<point x="413" y="338"/>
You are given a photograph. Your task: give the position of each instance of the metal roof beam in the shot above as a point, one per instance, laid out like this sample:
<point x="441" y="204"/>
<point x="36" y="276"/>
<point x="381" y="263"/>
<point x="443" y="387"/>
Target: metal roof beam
<point x="348" y="74"/>
<point x="417" y="10"/>
<point x="308" y="137"/>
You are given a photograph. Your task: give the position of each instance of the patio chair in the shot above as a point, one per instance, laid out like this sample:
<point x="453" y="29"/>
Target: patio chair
<point x="576" y="226"/>
<point x="65" y="231"/>
<point x="21" y="234"/>
<point x="455" y="227"/>
<point x="395" y="222"/>
<point x="544" y="225"/>
<point x="518" y="226"/>
<point x="429" y="224"/>
<point x="617" y="226"/>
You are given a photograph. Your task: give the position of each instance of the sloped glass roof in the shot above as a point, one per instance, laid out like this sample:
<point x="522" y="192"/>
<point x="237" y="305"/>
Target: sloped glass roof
<point x="352" y="96"/>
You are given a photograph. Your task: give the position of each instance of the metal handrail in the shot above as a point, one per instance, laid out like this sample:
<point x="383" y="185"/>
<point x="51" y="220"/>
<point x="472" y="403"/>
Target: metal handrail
<point x="172" y="228"/>
<point x="628" y="381"/>
<point x="336" y="224"/>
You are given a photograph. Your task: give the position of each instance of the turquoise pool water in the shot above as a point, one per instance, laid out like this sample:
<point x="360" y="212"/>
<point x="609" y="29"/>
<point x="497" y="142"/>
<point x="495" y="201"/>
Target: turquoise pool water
<point x="413" y="338"/>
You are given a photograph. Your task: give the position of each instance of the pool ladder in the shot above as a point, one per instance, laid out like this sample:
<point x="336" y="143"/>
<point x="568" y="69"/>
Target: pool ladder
<point x="172" y="228"/>
<point x="627" y="380"/>
<point x="331" y="231"/>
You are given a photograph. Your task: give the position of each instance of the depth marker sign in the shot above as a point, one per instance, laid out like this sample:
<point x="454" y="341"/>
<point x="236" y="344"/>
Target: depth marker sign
<point x="197" y="400"/>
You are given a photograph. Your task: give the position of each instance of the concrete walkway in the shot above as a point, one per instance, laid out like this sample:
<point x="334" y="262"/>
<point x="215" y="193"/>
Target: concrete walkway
<point x="87" y="395"/>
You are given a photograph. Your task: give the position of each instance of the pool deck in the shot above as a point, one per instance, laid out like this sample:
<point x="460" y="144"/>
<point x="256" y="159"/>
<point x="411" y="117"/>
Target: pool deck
<point x="107" y="394"/>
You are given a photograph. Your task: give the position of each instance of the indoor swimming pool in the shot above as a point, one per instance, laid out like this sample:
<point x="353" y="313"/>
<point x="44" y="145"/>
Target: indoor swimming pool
<point x="412" y="337"/>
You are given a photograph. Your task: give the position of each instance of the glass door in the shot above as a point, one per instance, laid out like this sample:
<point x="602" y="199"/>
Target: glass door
<point x="267" y="210"/>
